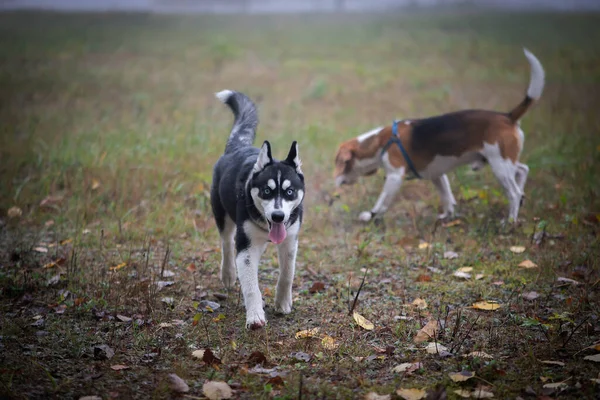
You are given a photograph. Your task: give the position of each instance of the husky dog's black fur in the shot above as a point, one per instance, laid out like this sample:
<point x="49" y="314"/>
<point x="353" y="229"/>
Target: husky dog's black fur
<point x="256" y="199"/>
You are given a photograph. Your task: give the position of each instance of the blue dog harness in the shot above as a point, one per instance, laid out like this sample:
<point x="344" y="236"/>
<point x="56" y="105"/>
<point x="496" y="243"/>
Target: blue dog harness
<point x="396" y="139"/>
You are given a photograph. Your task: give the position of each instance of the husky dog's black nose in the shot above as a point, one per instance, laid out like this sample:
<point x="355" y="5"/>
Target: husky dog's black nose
<point x="277" y="216"/>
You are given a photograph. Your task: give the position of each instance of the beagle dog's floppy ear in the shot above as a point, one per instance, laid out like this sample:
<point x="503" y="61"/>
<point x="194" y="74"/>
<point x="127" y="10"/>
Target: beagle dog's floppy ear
<point x="345" y="154"/>
<point x="264" y="158"/>
<point x="293" y="158"/>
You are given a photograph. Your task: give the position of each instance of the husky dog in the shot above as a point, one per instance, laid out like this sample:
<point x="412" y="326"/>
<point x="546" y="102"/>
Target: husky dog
<point x="256" y="199"/>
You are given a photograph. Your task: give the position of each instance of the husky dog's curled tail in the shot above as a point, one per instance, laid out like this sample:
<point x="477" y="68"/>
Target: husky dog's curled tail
<point x="245" y="122"/>
<point x="535" y="89"/>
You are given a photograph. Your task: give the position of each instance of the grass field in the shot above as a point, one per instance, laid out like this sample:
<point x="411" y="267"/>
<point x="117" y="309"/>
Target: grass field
<point x="108" y="136"/>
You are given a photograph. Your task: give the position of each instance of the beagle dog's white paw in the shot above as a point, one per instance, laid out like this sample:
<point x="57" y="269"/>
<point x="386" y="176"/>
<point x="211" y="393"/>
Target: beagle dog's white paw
<point x="365" y="216"/>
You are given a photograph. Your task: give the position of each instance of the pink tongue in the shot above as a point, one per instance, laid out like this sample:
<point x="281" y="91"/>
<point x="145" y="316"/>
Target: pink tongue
<point x="277" y="233"/>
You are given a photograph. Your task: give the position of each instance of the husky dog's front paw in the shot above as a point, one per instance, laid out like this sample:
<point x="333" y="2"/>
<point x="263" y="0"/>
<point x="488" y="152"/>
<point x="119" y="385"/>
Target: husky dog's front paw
<point x="256" y="319"/>
<point x="283" y="305"/>
<point x="365" y="216"/>
<point x="228" y="276"/>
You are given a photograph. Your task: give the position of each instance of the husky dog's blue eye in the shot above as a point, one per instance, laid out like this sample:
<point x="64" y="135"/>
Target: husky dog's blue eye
<point x="266" y="191"/>
<point x="290" y="192"/>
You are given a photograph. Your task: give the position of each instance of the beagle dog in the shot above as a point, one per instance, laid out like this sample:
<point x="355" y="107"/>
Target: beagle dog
<point x="430" y="147"/>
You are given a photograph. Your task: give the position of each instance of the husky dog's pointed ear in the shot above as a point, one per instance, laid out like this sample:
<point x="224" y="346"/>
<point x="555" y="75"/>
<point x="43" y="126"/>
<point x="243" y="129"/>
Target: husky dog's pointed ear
<point x="264" y="158"/>
<point x="293" y="158"/>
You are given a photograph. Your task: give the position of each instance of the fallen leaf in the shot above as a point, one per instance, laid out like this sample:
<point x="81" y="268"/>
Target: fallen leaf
<point x="198" y="354"/>
<point x="208" y="306"/>
<point x="407" y="368"/>
<point x="479" y="276"/>
<point x="424" y="245"/>
<point x="117" y="267"/>
<point x="123" y="318"/>
<point x="498" y="283"/>
<point x="168" y="300"/>
<point x="452" y="223"/>
<point x="419" y="303"/>
<point x="177" y="384"/>
<point x="119" y="367"/>
<point x="256" y="358"/>
<point x="103" y="352"/>
<point x="307" y="333"/>
<point x="427" y="332"/>
<point x="165" y="325"/>
<point x="528" y="264"/>
<point x="486" y="305"/>
<point x="276" y="381"/>
<point x="210" y="358"/>
<point x="450" y="255"/>
<point x="411" y="394"/>
<point x="462" y="275"/>
<point x="556" y="385"/>
<point x="423" y="278"/>
<point x="301" y="356"/>
<point x="550" y="362"/>
<point x="463" y="393"/>
<point x="163" y="284"/>
<point x="530" y="295"/>
<point x="482" y="394"/>
<point x="568" y="280"/>
<point x="375" y="396"/>
<point x="191" y="267"/>
<point x="517" y="249"/>
<point x="329" y="343"/>
<point x="14" y="212"/>
<point x="461" y="376"/>
<point x="95" y="184"/>
<point x="40" y="249"/>
<point x="363" y="322"/>
<point x="53" y="280"/>
<point x="317" y="287"/>
<point x="434" y="348"/>
<point x="594" y="358"/>
<point x="465" y="269"/>
<point x="60" y="309"/>
<point x="479" y="354"/>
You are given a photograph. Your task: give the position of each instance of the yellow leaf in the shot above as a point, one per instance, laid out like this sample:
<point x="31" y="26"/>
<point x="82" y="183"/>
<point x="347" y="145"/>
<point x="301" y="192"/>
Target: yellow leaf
<point x="95" y="184"/>
<point x="424" y="245"/>
<point x="419" y="303"/>
<point x="452" y="223"/>
<point x="118" y="267"/>
<point x="66" y="241"/>
<point x="528" y="264"/>
<point x="411" y="394"/>
<point x="428" y="332"/>
<point x="307" y="333"/>
<point x="329" y="343"/>
<point x="465" y="269"/>
<point x="50" y="265"/>
<point x="461" y="376"/>
<point x="486" y="305"/>
<point x="375" y="396"/>
<point x="363" y="322"/>
<point x="517" y="249"/>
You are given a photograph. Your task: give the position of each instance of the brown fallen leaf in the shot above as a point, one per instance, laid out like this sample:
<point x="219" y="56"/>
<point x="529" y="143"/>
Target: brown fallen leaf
<point x="427" y="332"/>
<point x="568" y="280"/>
<point x="461" y="376"/>
<point x="329" y="343"/>
<point x="117" y="267"/>
<point x="317" y="287"/>
<point x="463" y="393"/>
<point x="411" y="394"/>
<point x="209" y="358"/>
<point x="119" y="367"/>
<point x="276" y="381"/>
<point x="419" y="303"/>
<point x="177" y="384"/>
<point x="257" y="358"/>
<point x="423" y="278"/>
<point x="452" y="223"/>
<point x="363" y="322"/>
<point x="407" y="368"/>
<point x="435" y="348"/>
<point x="528" y="264"/>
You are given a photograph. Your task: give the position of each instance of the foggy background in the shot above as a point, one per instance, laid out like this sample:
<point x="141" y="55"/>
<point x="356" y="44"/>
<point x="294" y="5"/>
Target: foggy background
<point x="284" y="6"/>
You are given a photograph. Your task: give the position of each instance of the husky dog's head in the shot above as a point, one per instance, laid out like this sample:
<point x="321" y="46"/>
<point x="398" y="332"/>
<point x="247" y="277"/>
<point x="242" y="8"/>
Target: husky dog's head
<point x="277" y="189"/>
